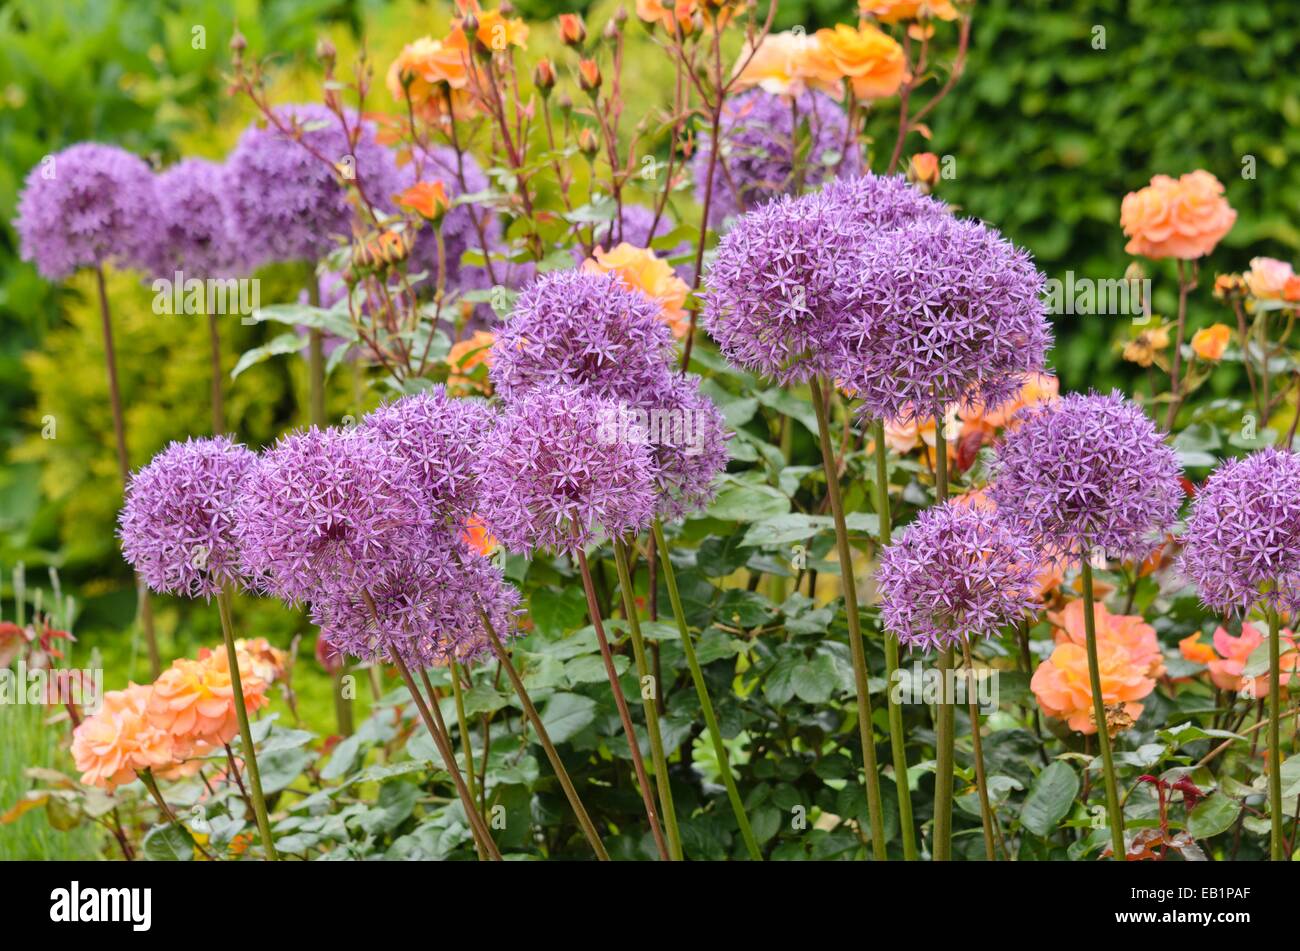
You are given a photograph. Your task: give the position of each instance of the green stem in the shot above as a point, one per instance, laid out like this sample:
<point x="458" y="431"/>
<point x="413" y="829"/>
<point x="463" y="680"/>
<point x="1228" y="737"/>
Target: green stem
<point x="151" y="784"/>
<point x="981" y="781"/>
<point x="702" y="691"/>
<point x="849" y="587"/>
<point x="649" y="704"/>
<point x="945" y="728"/>
<point x="1276" y="850"/>
<point x="462" y="724"/>
<point x="897" y="739"/>
<point x="1099" y="714"/>
<point x="530" y="711"/>
<point x="245" y="732"/>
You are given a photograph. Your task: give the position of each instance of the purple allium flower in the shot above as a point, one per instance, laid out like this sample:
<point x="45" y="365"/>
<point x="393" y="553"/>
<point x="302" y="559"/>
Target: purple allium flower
<point x="196" y="235"/>
<point x="584" y="329"/>
<point x="330" y="509"/>
<point x="762" y="133"/>
<point x="786" y="279"/>
<point x="949" y="312"/>
<point x="287" y="204"/>
<point x="883" y="202"/>
<point x="955" y="572"/>
<point x="558" y="467"/>
<point x="1242" y="545"/>
<point x="426" y="610"/>
<point x="178" y="521"/>
<point x="1087" y="473"/>
<point x="85" y="206"/>
<point x="459" y="231"/>
<point x="440" y="436"/>
<point x="688" y="438"/>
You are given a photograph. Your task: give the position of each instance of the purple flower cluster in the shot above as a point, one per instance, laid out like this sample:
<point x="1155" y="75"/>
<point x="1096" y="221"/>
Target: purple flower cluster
<point x="196" y="236"/>
<point x="86" y="206"/>
<point x="571" y="327"/>
<point x="1087" y="473"/>
<point x="1242" y="545"/>
<point x="763" y="137"/>
<point x="286" y="203"/>
<point x="786" y="279"/>
<point x="178" y="522"/>
<point x="956" y="572"/>
<point x="882" y="202"/>
<point x="948" y="311"/>
<point x="330" y="509"/>
<point x="688" y="439"/>
<point x="424" y="610"/>
<point x="558" y="467"/>
<point x="440" y="437"/>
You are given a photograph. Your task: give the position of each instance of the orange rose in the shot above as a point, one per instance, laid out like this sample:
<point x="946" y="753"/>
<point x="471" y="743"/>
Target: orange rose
<point x="1267" y="278"/>
<point x="266" y="663"/>
<point x="894" y="11"/>
<point x="1037" y="388"/>
<point x="498" y="33"/>
<point x="194" y="701"/>
<point x="427" y="199"/>
<point x="423" y="66"/>
<point x="1192" y="649"/>
<point x="668" y="13"/>
<point x="463" y="357"/>
<point x="869" y="59"/>
<point x="1127" y="631"/>
<point x="478" y="537"/>
<point x="789" y="63"/>
<point x="640" y="270"/>
<point x="572" y="30"/>
<point x="110" y="747"/>
<point x="1176" y="218"/>
<point x="923" y="171"/>
<point x="1064" y="690"/>
<point x="1235" y="651"/>
<point x="1209" y="343"/>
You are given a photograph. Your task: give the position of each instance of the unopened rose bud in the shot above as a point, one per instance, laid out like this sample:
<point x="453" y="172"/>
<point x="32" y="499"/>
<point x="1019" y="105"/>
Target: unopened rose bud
<point x="325" y="51"/>
<point x="565" y="103"/>
<point x="589" y="76"/>
<point x="923" y="171"/>
<point x="572" y="30"/>
<point x="544" y="77"/>
<point x="588" y="144"/>
<point x="620" y="16"/>
<point x="611" y="31"/>
<point x="237" y="46"/>
<point x="506" y="8"/>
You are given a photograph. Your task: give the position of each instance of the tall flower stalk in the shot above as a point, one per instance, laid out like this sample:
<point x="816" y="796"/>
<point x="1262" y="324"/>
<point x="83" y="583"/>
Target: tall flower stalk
<point x="945" y="725"/>
<point x="1114" y="811"/>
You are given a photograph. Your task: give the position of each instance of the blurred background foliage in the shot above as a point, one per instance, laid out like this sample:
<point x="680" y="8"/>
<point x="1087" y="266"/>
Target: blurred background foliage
<point x="1047" y="133"/>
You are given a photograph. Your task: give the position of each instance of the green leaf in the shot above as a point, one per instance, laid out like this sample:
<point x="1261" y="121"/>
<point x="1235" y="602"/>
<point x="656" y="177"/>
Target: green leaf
<point x="1049" y="799"/>
<point x="1213" y="815"/>
<point x="747" y="502"/>
<point x="814" y="681"/>
<point x="784" y="529"/>
<point x="567" y="714"/>
<point x="169" y="843"/>
<point x="285" y="343"/>
<point x="342" y="758"/>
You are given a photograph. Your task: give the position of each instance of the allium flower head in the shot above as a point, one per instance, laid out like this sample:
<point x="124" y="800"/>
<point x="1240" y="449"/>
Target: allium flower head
<point x="785" y="281"/>
<point x="86" y="206"/>
<point x="287" y="204"/>
<point x="1242" y="545"/>
<point x="954" y="573"/>
<point x="440" y="437"/>
<point x="557" y="469"/>
<point x="196" y="236"/>
<point x="883" y="202"/>
<point x="688" y="439"/>
<point x="425" y="611"/>
<point x="178" y="522"/>
<point x="330" y="508"/>
<point x="762" y="134"/>
<point x="1087" y="473"/>
<point x="949" y="313"/>
<point x="581" y="328"/>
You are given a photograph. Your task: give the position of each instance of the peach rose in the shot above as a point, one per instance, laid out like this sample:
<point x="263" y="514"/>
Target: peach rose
<point x="895" y="11"/>
<point x="427" y="199"/>
<point x="1037" y="388"/>
<point x="872" y="61"/>
<point x="1064" y="690"/>
<point x="423" y="66"/>
<point x="1193" y="650"/>
<point x="1146" y="346"/>
<point x="463" y="357"/>
<point x="787" y="64"/>
<point x="1235" y="651"/>
<point x="266" y="663"/>
<point x="1127" y="631"/>
<point x="1267" y="278"/>
<point x="923" y="171"/>
<point x="194" y="701"/>
<point x="667" y="13"/>
<point x="110" y="747"/>
<point x="640" y="270"/>
<point x="496" y="32"/>
<point x="1209" y="343"/>
<point x="1176" y="217"/>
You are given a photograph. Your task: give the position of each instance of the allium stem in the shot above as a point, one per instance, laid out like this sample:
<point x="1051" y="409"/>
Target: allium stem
<point x="315" y="357"/>
<point x="649" y="704"/>
<point x="124" y="462"/>
<point x="849" y="586"/>
<point x="530" y="711"/>
<point x="245" y="731"/>
<point x="981" y="780"/>
<point x="218" y="400"/>
<point x="482" y="837"/>
<point x="593" y="609"/>
<point x="945" y="729"/>
<point x="897" y="741"/>
<point x="435" y="707"/>
<point x="462" y="724"/>
<point x="1277" y="851"/>
<point x="702" y="691"/>
<point x="1099" y="714"/>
